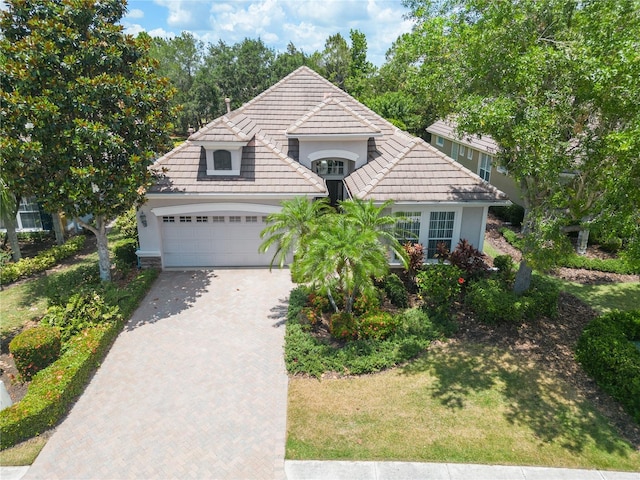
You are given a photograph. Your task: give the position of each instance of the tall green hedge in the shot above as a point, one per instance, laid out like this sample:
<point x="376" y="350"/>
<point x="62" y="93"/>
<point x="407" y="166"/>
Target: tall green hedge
<point x="607" y="354"/>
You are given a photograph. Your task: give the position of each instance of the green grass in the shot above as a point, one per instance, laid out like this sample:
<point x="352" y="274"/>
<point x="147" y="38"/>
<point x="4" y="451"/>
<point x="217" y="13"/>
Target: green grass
<point x="490" y="251"/>
<point x="460" y="403"/>
<point x="24" y="453"/>
<point x="24" y="302"/>
<point x="605" y="297"/>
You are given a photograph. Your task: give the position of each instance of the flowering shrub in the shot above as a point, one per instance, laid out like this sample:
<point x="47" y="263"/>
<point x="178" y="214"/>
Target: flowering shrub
<point x="377" y="326"/>
<point x="366" y="302"/>
<point x="439" y="285"/>
<point x="34" y="349"/>
<point x="343" y="326"/>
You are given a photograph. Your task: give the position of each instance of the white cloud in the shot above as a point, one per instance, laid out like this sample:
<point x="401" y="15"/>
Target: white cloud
<point x="161" y="32"/>
<point x="186" y="14"/>
<point x="135" y="13"/>
<point x="132" y="28"/>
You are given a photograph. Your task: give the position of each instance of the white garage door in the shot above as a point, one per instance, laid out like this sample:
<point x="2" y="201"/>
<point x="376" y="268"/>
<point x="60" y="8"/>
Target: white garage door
<point x="226" y="239"/>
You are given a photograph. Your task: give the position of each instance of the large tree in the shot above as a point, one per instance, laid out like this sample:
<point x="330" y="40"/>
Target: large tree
<point x="83" y="113"/>
<point x="555" y="83"/>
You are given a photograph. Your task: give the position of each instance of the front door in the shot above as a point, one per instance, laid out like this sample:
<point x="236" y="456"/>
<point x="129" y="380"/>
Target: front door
<point x="336" y="191"/>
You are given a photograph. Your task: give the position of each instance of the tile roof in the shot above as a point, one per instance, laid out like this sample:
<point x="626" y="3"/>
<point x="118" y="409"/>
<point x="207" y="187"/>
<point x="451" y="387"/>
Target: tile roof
<point x="400" y="167"/>
<point x="447" y="129"/>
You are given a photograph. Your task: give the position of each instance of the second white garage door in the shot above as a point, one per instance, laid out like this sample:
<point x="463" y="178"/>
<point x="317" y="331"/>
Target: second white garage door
<point x="226" y="239"/>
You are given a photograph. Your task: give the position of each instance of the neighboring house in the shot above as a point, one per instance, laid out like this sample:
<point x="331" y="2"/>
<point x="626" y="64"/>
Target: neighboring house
<point x="475" y="152"/>
<point x="30" y="217"/>
<point x="303" y="136"/>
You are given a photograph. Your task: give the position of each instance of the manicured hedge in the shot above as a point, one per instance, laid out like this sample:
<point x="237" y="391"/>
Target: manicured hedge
<point x="35" y="349"/>
<point x="44" y="260"/>
<point x="55" y="388"/>
<point x="606" y="352"/>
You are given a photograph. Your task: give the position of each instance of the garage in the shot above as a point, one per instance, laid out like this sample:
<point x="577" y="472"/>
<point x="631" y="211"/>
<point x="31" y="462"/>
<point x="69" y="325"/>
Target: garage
<point x="213" y="239"/>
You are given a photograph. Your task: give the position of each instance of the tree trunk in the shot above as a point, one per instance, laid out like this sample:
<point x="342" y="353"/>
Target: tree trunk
<point x="12" y="236"/>
<point x="523" y="278"/>
<point x="332" y="301"/>
<point x="58" y="228"/>
<point x="583" y="240"/>
<point x="100" y="231"/>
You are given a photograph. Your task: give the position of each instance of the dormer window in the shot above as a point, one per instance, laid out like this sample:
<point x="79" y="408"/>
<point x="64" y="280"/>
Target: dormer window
<point x="222" y="160"/>
<point x="328" y="167"/>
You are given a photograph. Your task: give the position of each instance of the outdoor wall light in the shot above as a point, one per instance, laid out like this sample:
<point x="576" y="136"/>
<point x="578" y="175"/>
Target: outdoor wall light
<point x="143" y="218"/>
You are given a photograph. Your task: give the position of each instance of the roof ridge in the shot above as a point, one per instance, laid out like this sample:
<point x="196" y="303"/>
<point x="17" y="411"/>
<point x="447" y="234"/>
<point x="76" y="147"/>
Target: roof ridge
<point x="390" y="165"/>
<point x="234" y="128"/>
<point x="177" y="148"/>
<point x="357" y="115"/>
<point x="300" y="169"/>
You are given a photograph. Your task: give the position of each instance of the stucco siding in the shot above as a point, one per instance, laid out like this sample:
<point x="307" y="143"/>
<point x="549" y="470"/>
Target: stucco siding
<point x="472" y="227"/>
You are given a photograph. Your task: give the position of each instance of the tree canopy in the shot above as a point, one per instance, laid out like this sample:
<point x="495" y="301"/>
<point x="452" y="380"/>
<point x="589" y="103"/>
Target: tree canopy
<point x="555" y="83"/>
<point x="83" y="112"/>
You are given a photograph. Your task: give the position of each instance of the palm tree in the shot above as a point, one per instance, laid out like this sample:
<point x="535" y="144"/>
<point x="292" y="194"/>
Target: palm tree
<point x="288" y="228"/>
<point x="368" y="216"/>
<point x="343" y="257"/>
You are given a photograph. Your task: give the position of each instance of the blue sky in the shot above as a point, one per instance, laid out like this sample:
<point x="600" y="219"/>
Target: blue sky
<point x="306" y="23"/>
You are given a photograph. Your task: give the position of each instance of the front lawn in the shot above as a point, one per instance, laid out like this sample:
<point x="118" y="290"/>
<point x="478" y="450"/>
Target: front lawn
<point x="459" y="403"/>
<point x="606" y="297"/>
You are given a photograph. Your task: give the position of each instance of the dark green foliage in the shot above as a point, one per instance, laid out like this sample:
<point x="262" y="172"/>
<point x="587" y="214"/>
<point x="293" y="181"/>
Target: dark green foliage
<point x="82" y="311"/>
<point x="311" y="355"/>
<point x="506" y="270"/>
<point x="396" y="291"/>
<point x="125" y="253"/>
<point x="514" y="214"/>
<point x="54" y="389"/>
<point x="44" y="260"/>
<point x="59" y="288"/>
<point x="612" y="265"/>
<point x="439" y="285"/>
<point x="34" y="349"/>
<point x="606" y="352"/>
<point x="493" y="303"/>
<point x="367" y="302"/>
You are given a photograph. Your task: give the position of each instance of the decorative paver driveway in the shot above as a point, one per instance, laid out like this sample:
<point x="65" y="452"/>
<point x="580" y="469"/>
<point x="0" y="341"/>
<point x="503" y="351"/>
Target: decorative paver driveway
<point x="194" y="387"/>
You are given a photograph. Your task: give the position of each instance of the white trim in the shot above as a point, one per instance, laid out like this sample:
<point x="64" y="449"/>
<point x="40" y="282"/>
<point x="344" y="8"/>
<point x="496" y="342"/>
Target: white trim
<point x="329" y="137"/>
<point x="214" y="207"/>
<point x="233" y="196"/>
<point x="209" y="145"/>
<point x="338" y="154"/>
<point x="148" y="253"/>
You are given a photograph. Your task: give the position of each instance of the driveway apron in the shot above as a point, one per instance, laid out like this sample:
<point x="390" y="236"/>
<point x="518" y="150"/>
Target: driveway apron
<point x="194" y="387"/>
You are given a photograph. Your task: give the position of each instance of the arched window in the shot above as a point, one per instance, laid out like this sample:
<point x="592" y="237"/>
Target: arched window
<point x="329" y="167"/>
<point x="222" y="160"/>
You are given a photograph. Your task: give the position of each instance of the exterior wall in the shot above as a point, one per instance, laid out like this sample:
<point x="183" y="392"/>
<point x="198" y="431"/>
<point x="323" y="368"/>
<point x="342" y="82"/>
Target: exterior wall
<point x="499" y="180"/>
<point x="355" y="150"/>
<point x="473" y="225"/>
<point x="150" y="236"/>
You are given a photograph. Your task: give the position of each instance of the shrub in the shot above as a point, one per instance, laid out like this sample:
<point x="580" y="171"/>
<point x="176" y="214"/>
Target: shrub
<point x="343" y="326"/>
<point x="611" y="265"/>
<point x="439" y="285"/>
<point x="506" y="270"/>
<point x="492" y="303"/>
<point x="367" y="301"/>
<point x="377" y="326"/>
<point x="125" y="254"/>
<point x="127" y="224"/>
<point x="54" y="389"/>
<point x="59" y="288"/>
<point x="396" y="291"/>
<point x="83" y="310"/>
<point x="415" y="253"/>
<point x="468" y="259"/>
<point x="513" y="213"/>
<point x="512" y="237"/>
<point x="34" y="349"/>
<point x="606" y="352"/>
<point x="44" y="260"/>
